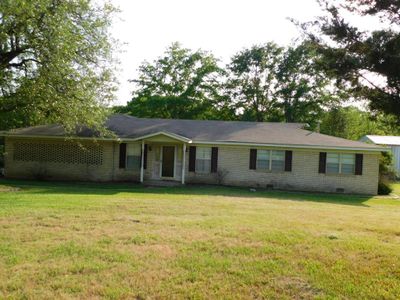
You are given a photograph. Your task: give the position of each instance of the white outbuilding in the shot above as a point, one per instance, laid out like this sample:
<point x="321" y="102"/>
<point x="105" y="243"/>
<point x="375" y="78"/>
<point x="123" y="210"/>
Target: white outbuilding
<point x="387" y="140"/>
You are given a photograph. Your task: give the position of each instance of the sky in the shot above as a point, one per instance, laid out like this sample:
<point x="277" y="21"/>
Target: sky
<point x="145" y="28"/>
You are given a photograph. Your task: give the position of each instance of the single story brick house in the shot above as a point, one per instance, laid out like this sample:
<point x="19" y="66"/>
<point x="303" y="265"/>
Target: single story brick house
<point x="253" y="154"/>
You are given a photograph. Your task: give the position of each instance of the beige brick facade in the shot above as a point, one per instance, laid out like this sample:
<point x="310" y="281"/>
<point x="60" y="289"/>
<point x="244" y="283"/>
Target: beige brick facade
<point x="304" y="175"/>
<point x="232" y="160"/>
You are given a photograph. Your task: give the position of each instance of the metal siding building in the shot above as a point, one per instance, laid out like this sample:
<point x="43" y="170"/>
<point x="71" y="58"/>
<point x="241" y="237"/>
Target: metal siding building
<point x="391" y="141"/>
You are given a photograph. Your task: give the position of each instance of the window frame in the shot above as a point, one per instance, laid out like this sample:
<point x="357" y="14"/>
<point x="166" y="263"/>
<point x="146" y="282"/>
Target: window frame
<point x="340" y="155"/>
<point x="203" y="159"/>
<point x="270" y="155"/>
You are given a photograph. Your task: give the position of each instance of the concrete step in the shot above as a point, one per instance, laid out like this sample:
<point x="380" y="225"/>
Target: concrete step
<point x="167" y="183"/>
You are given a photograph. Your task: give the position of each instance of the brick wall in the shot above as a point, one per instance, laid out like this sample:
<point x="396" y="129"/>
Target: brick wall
<point x="304" y="175"/>
<point x="58" y="170"/>
<point x="233" y="160"/>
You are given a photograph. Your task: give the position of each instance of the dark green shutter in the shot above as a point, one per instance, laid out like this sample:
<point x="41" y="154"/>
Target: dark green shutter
<point x="122" y="155"/>
<point x="359" y="164"/>
<point x="253" y="159"/>
<point x="322" y="162"/>
<point x="214" y="159"/>
<point x="288" y="160"/>
<point x="192" y="158"/>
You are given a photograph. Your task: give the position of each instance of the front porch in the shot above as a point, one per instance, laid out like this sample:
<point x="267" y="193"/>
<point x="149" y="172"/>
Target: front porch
<point x="164" y="159"/>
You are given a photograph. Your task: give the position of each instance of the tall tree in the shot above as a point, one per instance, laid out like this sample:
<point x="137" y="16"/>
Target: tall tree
<point x="181" y="84"/>
<point x="303" y="89"/>
<point x="55" y="62"/>
<point x="252" y="81"/>
<point x="367" y="62"/>
<point x="271" y="83"/>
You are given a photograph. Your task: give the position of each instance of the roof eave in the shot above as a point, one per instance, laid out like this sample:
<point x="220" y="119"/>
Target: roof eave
<point x="295" y="146"/>
<point x="187" y="140"/>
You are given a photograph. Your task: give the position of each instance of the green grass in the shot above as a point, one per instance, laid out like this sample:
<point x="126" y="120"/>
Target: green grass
<point x="60" y="240"/>
<point x="396" y="189"/>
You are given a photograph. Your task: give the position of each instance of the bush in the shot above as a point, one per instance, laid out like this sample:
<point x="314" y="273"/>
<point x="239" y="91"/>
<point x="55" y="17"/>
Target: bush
<point x="1" y="156"/>
<point x="39" y="173"/>
<point x="386" y="171"/>
<point x="384" y="188"/>
<point x="386" y="174"/>
<point x="221" y="174"/>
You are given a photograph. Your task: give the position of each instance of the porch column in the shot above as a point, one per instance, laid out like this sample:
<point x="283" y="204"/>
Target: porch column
<point x="183" y="162"/>
<point x="142" y="163"/>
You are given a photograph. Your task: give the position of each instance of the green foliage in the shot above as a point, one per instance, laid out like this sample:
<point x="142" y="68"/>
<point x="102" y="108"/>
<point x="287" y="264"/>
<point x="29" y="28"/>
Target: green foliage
<point x="386" y="174"/>
<point x="385" y="165"/>
<point x="263" y="83"/>
<point x="303" y="89"/>
<point x="271" y="83"/>
<point x="353" y="123"/>
<point x="365" y="63"/>
<point x="384" y="188"/>
<point x="55" y="63"/>
<point x="252" y="82"/>
<point x="182" y="84"/>
<point x="2" y="149"/>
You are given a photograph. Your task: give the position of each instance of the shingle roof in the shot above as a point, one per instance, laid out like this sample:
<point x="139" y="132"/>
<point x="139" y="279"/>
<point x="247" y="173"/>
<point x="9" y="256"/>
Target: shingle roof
<point x="288" y="134"/>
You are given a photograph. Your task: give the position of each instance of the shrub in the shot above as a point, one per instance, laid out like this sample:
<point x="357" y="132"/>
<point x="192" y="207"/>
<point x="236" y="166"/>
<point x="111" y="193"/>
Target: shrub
<point x="1" y="154"/>
<point x="221" y="174"/>
<point x="384" y="188"/>
<point x="386" y="174"/>
<point x="39" y="173"/>
<point x="386" y="166"/>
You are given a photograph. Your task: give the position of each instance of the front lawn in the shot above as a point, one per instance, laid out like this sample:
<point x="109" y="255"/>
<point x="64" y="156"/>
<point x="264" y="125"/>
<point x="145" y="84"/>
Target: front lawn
<point x="127" y="241"/>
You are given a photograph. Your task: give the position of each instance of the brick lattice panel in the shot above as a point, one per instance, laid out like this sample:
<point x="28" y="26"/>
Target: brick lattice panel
<point x="58" y="153"/>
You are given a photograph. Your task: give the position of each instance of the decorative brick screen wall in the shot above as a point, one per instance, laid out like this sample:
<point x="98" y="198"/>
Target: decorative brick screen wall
<point x="58" y="153"/>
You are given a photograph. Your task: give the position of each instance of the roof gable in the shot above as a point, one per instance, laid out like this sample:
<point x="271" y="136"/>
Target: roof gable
<point x="164" y="137"/>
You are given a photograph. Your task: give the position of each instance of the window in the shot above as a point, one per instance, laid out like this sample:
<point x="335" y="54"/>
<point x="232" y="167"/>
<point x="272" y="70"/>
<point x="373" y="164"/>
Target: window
<point x="263" y="159"/>
<point x="133" y="156"/>
<point x="203" y="160"/>
<point x="270" y="160"/>
<point x="332" y="163"/>
<point x="277" y="160"/>
<point x="347" y="162"/>
<point x="340" y="163"/>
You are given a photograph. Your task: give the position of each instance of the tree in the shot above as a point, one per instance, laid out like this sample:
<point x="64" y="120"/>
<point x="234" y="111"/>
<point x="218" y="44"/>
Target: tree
<point x="367" y="63"/>
<point x="303" y="89"/>
<point x="271" y="83"/>
<point x="181" y="84"/>
<point x="353" y="123"/>
<point x="55" y="63"/>
<point x="252" y="81"/>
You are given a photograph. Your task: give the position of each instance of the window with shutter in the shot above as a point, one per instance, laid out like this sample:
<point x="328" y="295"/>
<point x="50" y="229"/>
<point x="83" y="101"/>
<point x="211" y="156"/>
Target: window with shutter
<point x="270" y="160"/>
